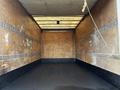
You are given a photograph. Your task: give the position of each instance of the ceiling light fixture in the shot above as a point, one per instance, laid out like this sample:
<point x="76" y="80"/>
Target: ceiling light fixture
<point x="58" y="22"/>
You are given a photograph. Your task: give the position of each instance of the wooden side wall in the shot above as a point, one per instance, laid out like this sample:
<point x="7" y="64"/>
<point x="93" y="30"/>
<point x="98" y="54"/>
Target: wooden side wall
<point x="19" y="37"/>
<point x="58" y="45"/>
<point x="90" y="45"/>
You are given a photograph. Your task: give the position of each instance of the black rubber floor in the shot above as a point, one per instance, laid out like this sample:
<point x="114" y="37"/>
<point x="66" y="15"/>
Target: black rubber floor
<point x="59" y="77"/>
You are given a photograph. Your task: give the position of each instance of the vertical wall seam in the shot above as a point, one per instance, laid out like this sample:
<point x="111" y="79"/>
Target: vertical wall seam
<point x="118" y="19"/>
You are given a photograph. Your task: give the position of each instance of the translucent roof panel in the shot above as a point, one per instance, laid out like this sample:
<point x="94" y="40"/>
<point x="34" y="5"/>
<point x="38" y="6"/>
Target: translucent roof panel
<point x="58" y="22"/>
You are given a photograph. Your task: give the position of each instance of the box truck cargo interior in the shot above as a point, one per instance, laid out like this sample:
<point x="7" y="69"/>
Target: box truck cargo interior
<point x="60" y="45"/>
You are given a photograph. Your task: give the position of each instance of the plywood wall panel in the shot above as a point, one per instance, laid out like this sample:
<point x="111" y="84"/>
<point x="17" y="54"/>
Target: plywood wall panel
<point x="58" y="45"/>
<point x="89" y="44"/>
<point x="20" y="37"/>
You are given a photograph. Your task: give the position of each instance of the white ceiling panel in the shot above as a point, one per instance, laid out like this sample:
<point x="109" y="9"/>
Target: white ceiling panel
<point x="56" y="7"/>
